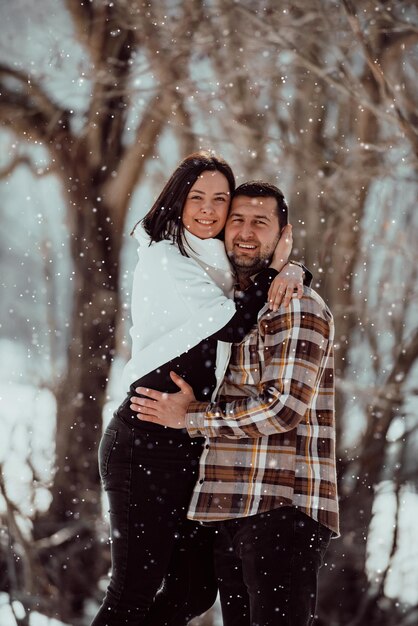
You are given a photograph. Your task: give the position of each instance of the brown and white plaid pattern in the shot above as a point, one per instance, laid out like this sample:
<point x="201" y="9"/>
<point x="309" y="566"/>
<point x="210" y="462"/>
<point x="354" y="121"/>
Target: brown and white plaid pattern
<point x="271" y="433"/>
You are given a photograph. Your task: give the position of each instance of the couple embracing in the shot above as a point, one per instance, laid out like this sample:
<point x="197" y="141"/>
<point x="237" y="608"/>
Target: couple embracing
<point x="219" y="465"/>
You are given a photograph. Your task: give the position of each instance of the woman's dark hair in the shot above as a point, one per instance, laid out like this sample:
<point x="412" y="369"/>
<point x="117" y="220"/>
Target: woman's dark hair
<point x="163" y="220"/>
<point x="258" y="189"/>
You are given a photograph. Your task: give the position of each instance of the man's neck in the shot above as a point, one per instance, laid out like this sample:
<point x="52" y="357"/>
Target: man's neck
<point x="245" y="274"/>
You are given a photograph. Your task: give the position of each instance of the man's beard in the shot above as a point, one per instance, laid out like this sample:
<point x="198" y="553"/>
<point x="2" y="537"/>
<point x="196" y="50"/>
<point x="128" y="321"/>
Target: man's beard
<point x="247" y="266"/>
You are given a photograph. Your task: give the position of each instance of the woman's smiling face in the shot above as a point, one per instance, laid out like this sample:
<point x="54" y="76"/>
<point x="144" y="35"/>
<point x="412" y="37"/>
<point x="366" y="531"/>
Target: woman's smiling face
<point x="206" y="207"/>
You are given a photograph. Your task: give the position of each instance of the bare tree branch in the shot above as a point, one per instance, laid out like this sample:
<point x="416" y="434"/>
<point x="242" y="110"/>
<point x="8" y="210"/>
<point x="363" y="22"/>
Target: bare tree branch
<point x="28" y="110"/>
<point x="82" y="14"/>
<point x="385" y="88"/>
<point x="118" y="190"/>
<point x="15" y="532"/>
<point x="281" y="40"/>
<point x="24" y="159"/>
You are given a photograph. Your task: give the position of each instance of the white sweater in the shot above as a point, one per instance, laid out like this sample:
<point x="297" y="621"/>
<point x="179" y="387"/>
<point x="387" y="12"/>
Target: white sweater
<point x="177" y="302"/>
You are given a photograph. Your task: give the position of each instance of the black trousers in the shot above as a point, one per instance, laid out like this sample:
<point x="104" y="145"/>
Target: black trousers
<point x="267" y="568"/>
<point x="162" y="563"/>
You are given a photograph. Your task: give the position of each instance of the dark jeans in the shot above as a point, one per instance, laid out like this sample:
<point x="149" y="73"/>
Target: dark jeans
<point x="267" y="567"/>
<point x="162" y="563"/>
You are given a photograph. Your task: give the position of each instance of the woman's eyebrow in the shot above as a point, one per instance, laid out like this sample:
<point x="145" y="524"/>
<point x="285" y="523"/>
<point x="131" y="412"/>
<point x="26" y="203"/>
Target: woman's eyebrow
<point x="217" y="193"/>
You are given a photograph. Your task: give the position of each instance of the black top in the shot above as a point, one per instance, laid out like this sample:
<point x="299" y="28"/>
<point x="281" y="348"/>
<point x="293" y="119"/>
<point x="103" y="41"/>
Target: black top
<point x="197" y="365"/>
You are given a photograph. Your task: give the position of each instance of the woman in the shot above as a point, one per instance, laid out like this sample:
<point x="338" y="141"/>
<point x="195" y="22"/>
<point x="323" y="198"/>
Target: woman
<point x="182" y="312"/>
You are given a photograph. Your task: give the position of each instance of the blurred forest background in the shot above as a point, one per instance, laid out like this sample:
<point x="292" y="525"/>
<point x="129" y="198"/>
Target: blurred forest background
<point x="99" y="101"/>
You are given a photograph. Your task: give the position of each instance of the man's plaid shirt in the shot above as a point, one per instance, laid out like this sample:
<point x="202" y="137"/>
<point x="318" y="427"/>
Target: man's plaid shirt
<point x="271" y="433"/>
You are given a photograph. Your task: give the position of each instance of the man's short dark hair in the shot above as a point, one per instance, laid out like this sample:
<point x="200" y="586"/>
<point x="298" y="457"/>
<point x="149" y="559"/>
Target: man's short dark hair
<point x="259" y="189"/>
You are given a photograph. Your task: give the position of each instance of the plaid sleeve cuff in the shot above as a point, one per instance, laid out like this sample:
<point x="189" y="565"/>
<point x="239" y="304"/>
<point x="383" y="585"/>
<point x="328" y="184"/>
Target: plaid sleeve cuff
<point x="195" y="418"/>
<point x="307" y="274"/>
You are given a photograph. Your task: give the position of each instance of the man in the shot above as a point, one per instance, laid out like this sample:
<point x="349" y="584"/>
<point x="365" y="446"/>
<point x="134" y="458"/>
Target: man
<point x="267" y="475"/>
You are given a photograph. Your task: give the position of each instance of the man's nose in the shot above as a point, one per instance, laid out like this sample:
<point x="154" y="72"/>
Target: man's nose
<point x="246" y="231"/>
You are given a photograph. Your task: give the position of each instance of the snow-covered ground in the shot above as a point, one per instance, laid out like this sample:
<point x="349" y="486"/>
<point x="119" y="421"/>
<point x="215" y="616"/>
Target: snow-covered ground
<point x="27" y="417"/>
<point x="8" y="613"/>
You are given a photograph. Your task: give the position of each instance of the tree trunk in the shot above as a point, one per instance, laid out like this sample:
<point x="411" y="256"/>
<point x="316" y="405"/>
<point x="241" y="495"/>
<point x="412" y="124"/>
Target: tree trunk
<point x="76" y="493"/>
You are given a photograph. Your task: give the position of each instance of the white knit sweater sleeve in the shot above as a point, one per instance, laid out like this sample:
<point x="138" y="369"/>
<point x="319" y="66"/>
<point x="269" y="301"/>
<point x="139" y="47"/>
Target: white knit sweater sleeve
<point x="175" y="305"/>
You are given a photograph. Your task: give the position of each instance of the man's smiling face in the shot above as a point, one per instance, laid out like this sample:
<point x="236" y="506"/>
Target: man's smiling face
<point x="251" y="233"/>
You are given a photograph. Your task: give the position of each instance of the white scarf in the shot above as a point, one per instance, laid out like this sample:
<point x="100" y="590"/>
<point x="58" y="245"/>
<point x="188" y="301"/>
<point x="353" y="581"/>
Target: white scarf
<point x="211" y="256"/>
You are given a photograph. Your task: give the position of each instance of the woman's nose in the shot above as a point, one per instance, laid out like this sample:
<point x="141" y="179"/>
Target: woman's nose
<point x="207" y="206"/>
